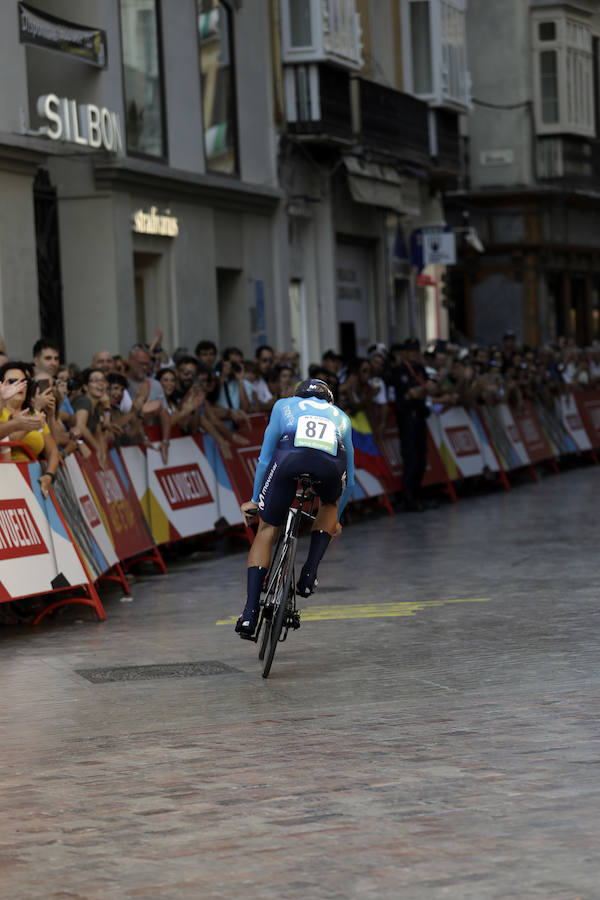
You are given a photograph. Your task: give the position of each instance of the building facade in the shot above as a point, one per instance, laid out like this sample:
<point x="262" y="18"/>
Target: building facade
<point x="371" y="94"/>
<point x="138" y="175"/>
<point x="534" y="174"/>
<point x="227" y="170"/>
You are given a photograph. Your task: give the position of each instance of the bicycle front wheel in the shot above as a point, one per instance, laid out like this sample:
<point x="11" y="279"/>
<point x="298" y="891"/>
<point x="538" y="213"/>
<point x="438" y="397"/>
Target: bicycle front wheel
<point x="279" y="611"/>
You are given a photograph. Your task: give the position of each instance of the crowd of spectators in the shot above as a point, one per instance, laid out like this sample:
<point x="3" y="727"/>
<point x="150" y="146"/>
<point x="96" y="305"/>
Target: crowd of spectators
<point x="116" y="399"/>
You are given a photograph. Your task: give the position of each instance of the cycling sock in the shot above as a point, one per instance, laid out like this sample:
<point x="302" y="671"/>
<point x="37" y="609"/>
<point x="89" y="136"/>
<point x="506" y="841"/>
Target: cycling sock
<point x="319" y="542"/>
<point x="256" y="576"/>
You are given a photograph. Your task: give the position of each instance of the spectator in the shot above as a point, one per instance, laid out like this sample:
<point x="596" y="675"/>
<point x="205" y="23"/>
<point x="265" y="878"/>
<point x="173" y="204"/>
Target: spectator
<point x="185" y="373"/>
<point x="19" y="423"/>
<point x="206" y="354"/>
<point x="92" y="412"/>
<point x="262" y="398"/>
<point x="120" y="365"/>
<point x="103" y="360"/>
<point x="145" y="389"/>
<point x="285" y="382"/>
<point x="332" y="362"/>
<point x="46" y="358"/>
<point x="235" y="390"/>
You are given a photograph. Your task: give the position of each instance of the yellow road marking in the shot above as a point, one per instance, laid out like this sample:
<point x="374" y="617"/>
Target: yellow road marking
<point x="367" y="610"/>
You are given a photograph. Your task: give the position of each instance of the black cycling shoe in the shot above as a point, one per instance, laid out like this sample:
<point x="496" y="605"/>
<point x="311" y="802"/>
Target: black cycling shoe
<point x="246" y="625"/>
<point x="306" y="583"/>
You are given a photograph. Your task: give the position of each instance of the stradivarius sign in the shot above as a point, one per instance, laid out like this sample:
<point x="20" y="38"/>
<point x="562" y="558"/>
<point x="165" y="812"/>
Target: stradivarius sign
<point x="85" y="124"/>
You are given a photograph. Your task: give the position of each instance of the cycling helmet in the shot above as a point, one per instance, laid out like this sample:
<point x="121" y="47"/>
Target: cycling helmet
<point x="314" y="387"/>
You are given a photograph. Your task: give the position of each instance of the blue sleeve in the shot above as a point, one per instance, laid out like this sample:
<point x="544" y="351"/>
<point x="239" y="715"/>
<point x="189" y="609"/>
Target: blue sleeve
<point x="272" y="435"/>
<point x="349" y="448"/>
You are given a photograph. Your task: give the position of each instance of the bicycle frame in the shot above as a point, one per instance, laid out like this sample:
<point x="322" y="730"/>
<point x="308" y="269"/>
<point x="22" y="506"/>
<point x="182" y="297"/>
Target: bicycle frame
<point x="280" y="587"/>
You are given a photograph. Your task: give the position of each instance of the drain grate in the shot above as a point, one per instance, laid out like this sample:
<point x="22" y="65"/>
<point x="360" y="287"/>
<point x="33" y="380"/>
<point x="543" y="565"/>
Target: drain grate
<point x="166" y="670"/>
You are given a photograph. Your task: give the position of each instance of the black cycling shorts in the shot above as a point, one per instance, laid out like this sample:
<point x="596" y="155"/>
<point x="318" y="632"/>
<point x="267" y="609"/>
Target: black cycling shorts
<point x="279" y="487"/>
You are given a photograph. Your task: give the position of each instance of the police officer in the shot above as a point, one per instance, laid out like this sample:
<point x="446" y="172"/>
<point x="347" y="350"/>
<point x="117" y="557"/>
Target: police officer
<point x="408" y="379"/>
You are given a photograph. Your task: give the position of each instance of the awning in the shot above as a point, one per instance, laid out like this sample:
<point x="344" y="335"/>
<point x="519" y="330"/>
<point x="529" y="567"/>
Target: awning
<point x="379" y="185"/>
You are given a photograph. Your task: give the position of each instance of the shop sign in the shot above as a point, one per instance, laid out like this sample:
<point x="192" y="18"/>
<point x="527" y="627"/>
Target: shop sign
<point x="86" y="124"/>
<point x="153" y="223"/>
<point x="433" y="246"/>
<point x="43" y="30"/>
<point x="439" y="248"/>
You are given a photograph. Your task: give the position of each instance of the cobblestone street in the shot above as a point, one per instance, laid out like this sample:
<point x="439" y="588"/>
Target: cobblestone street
<point x="431" y="731"/>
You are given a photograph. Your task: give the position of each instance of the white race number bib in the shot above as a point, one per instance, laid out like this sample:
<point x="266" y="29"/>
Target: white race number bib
<point x="316" y="432"/>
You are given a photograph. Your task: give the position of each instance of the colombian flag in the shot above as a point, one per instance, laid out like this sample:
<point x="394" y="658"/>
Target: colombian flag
<point x="366" y="454"/>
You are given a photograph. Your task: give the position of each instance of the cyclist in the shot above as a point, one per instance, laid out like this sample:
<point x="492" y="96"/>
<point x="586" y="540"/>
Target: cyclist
<point x="307" y="434"/>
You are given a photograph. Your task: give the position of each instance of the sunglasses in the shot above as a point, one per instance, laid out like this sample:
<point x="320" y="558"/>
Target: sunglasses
<point x="14" y="380"/>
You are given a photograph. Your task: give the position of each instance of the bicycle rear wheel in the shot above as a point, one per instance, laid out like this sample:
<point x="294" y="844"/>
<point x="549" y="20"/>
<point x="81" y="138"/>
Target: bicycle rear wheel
<point x="281" y="602"/>
<point x="264" y="641"/>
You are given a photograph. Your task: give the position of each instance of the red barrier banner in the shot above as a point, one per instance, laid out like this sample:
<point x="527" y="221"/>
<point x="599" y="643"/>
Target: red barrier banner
<point x="115" y="500"/>
<point x="573" y="422"/>
<point x="533" y="437"/>
<point x="37" y="552"/>
<point x="588" y="404"/>
<point x="241" y="467"/>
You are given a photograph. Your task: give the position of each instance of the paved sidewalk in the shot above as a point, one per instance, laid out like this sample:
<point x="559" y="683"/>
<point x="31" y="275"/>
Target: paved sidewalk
<point x="407" y="745"/>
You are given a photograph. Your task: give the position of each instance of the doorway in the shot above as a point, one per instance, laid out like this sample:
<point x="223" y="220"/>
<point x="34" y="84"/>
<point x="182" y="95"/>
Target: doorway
<point x="354" y="288"/>
<point x="152" y="302"/>
<point x="48" y="260"/>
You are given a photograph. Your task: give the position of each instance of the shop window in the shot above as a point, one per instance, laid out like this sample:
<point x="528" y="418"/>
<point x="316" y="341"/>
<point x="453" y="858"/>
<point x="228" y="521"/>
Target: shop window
<point x="215" y="37"/>
<point x="564" y="75"/>
<point x="142" y="77"/>
<point x="435" y="51"/>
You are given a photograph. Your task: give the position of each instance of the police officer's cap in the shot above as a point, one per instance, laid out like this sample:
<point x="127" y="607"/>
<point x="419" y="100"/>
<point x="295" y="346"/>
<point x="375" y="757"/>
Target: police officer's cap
<point x="314" y="387"/>
<point x="412" y="344"/>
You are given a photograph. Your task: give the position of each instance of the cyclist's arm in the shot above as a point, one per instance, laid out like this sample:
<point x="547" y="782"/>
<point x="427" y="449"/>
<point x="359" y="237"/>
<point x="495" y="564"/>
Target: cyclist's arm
<point x="272" y="435"/>
<point x="347" y="441"/>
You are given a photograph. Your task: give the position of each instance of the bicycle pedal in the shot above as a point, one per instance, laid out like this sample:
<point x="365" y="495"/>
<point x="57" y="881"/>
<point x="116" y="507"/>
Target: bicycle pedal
<point x="294" y="621"/>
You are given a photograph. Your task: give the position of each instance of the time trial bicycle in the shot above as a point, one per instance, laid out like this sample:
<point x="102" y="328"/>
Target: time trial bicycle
<point x="278" y="610"/>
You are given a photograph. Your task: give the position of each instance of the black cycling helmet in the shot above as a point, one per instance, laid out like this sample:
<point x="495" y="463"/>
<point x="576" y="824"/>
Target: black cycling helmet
<point x="314" y="387"/>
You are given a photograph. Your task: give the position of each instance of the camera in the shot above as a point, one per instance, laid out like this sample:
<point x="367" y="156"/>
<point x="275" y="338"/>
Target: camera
<point x="235" y="367"/>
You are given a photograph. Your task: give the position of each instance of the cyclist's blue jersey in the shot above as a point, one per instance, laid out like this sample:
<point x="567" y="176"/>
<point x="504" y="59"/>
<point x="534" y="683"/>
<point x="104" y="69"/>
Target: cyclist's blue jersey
<point x="307" y="423"/>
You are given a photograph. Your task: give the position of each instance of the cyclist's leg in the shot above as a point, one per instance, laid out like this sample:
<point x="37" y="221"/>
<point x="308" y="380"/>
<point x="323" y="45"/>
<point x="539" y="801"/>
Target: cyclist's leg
<point x="259" y="558"/>
<point x="324" y="528"/>
<point x="275" y="498"/>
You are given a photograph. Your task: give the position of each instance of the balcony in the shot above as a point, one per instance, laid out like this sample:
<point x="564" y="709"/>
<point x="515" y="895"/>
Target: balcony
<point x="393" y="123"/>
<point x="568" y="159"/>
<point x="446" y="144"/>
<point x="318" y="102"/>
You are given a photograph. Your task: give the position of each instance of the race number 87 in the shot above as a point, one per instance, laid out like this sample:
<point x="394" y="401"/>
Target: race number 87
<point x="311" y="429"/>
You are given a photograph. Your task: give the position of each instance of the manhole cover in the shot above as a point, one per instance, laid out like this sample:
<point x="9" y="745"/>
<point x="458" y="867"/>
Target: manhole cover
<point x="166" y="670"/>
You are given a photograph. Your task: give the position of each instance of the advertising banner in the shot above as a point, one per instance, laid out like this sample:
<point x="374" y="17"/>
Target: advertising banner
<point x="457" y="443"/>
<point x="40" y="29"/>
<point x="85" y="520"/>
<point x="36" y="552"/>
<point x="185" y="497"/>
<point x="588" y="404"/>
<point x="505" y="436"/>
<point x="114" y="499"/>
<point x="551" y="423"/>
<point x="241" y="468"/>
<point x="573" y="422"/>
<point x="536" y="443"/>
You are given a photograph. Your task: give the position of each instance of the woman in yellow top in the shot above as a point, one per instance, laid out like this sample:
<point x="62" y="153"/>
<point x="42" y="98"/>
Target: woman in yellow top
<point x="18" y="422"/>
